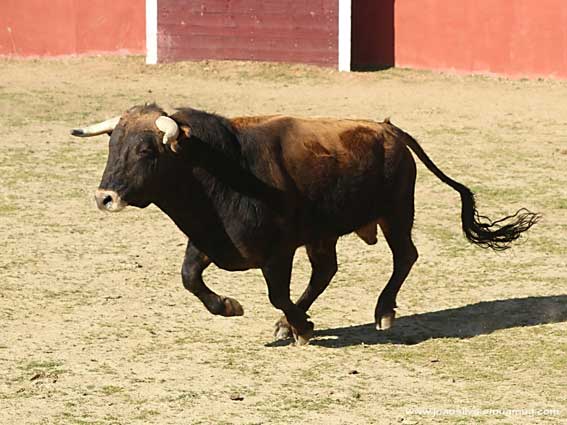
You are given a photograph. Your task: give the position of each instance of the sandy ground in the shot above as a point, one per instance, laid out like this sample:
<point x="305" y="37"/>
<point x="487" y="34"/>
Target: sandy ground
<point x="96" y="327"/>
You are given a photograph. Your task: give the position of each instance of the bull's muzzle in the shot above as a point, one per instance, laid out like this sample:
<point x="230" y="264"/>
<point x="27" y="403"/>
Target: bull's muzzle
<point x="109" y="201"/>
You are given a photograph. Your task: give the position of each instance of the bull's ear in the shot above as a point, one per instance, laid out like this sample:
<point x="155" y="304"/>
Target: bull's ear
<point x="186" y="130"/>
<point x="184" y="133"/>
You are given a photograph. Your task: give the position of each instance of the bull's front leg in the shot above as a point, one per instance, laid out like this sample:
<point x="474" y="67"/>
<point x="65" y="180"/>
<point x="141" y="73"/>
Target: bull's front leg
<point x="194" y="264"/>
<point x="323" y="258"/>
<point x="277" y="273"/>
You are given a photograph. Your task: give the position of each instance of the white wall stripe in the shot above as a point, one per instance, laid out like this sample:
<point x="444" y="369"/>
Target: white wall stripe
<point x="345" y="10"/>
<point x="151" y="32"/>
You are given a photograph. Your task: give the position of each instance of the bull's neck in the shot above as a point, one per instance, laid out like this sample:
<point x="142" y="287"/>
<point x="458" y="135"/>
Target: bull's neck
<point x="205" y="188"/>
<point x="191" y="185"/>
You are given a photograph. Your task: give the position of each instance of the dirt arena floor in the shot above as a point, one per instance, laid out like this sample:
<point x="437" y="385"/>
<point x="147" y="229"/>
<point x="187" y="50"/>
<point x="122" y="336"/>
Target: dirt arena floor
<point x="96" y="327"/>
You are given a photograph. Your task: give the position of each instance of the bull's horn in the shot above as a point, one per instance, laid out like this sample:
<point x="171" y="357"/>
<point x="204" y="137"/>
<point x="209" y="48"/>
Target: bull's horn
<point x="169" y="127"/>
<point x="96" y="129"/>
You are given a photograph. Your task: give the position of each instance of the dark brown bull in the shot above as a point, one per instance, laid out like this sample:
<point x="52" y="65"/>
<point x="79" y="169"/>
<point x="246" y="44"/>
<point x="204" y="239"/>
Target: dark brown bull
<point x="249" y="191"/>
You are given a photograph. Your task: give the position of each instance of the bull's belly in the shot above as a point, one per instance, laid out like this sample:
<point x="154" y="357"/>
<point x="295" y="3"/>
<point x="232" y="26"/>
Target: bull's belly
<point x="340" y="216"/>
<point x="320" y="227"/>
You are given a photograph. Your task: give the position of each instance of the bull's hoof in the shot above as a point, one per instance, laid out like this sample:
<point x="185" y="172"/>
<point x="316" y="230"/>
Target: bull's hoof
<point x="304" y="337"/>
<point x="385" y="321"/>
<point x="232" y="307"/>
<point x="282" y="329"/>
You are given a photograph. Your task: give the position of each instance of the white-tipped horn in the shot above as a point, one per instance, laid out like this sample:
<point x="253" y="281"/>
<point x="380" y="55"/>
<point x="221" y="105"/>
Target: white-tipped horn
<point x="96" y="129"/>
<point x="169" y="127"/>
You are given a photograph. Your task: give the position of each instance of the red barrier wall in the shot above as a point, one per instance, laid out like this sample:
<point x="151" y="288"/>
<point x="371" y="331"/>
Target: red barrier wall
<point x="510" y="37"/>
<point x="64" y="27"/>
<point x="270" y="30"/>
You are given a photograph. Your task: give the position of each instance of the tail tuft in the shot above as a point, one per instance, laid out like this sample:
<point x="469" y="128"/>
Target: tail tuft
<point x="499" y="234"/>
<point x="478" y="229"/>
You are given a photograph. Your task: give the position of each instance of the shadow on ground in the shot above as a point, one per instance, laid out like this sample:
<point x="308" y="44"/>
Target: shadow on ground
<point x="463" y="322"/>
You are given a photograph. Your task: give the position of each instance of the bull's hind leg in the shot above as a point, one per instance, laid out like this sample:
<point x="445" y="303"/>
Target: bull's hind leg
<point x="323" y="258"/>
<point x="397" y="231"/>
<point x="194" y="264"/>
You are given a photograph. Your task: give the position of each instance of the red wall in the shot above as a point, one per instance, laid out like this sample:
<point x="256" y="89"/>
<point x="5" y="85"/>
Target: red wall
<point x="63" y="27"/>
<point x="511" y="37"/>
<point x="270" y="30"/>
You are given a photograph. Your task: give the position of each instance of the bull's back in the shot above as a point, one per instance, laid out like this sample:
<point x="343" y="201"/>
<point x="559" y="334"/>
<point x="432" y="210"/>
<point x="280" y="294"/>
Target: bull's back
<point x="341" y="170"/>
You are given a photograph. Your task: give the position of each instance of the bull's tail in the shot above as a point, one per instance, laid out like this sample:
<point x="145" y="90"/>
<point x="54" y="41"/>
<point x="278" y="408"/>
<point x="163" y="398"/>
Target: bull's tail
<point x="478" y="229"/>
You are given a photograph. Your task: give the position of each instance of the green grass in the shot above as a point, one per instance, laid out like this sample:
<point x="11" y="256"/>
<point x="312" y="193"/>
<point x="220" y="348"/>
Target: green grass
<point x="561" y="203"/>
<point x="8" y="209"/>
<point x="109" y="390"/>
<point x="147" y="415"/>
<point x="47" y="365"/>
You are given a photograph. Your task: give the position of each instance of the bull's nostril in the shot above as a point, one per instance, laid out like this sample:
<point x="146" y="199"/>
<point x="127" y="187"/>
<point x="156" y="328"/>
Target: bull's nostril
<point x="107" y="200"/>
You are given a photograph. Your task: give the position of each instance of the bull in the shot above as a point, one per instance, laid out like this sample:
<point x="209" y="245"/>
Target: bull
<point x="249" y="191"/>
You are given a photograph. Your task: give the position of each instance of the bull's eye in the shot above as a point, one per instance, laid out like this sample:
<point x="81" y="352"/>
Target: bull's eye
<point x="145" y="146"/>
<point x="146" y="152"/>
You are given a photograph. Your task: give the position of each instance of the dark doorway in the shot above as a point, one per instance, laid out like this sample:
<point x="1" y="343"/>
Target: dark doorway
<point x="372" y="37"/>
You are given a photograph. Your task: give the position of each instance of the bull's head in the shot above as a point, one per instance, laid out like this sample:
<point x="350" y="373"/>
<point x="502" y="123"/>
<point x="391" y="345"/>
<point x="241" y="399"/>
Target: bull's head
<point x="140" y="140"/>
